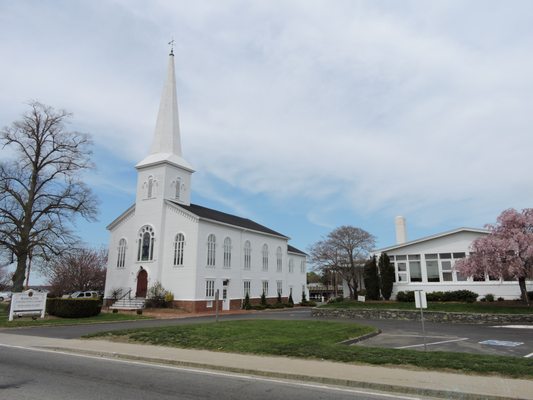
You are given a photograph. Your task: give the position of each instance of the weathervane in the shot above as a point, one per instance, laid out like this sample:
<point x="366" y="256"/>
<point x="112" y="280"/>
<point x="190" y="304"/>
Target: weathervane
<point x="171" y="43"/>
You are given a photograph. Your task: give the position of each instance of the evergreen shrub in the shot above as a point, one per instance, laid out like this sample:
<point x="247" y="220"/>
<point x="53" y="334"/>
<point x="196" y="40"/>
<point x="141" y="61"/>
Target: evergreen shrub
<point x="73" y="308"/>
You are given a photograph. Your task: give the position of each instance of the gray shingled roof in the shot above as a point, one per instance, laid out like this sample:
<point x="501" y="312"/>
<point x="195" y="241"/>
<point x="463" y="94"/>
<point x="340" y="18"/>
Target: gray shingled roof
<point x="295" y="250"/>
<point x="209" y="213"/>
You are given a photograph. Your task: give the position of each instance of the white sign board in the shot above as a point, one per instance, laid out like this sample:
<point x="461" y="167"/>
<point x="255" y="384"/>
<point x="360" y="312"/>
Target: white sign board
<point x="361" y="298"/>
<point x="420" y="299"/>
<point x="29" y="302"/>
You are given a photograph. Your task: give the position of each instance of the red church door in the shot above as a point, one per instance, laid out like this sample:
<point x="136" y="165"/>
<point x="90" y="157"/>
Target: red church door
<point x="142" y="283"/>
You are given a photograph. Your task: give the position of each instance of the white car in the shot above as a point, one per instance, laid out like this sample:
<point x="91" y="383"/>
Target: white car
<point x="5" y="296"/>
<point x="88" y="294"/>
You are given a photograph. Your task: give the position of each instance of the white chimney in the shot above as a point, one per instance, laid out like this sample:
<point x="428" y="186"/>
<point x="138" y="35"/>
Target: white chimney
<point x="401" y="231"/>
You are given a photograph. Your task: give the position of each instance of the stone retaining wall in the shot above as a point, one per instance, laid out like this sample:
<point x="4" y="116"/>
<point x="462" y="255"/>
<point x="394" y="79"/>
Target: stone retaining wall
<point x="432" y="316"/>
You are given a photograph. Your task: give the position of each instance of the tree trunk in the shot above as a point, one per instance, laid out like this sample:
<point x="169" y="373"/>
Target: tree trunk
<point x="523" y="290"/>
<point x="20" y="273"/>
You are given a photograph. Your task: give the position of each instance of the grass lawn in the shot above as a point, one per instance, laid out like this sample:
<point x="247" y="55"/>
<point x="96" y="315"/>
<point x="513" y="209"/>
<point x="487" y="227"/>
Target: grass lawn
<point x="317" y="340"/>
<point x="51" y="320"/>
<point x="504" y="307"/>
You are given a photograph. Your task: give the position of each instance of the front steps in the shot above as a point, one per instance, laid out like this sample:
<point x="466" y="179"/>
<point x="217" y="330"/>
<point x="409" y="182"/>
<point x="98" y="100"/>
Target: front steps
<point x="137" y="303"/>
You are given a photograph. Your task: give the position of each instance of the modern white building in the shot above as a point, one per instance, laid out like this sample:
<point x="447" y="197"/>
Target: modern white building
<point x="428" y="264"/>
<point x="193" y="251"/>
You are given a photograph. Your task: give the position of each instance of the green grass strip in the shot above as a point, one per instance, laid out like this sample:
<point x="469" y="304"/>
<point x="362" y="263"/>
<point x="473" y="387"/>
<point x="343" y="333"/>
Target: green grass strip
<point x="316" y="340"/>
<point x="27" y="321"/>
<point x="483" y="308"/>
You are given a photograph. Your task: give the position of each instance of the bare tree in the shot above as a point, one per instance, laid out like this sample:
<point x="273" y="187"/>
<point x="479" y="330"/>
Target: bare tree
<point x="345" y="251"/>
<point x="78" y="269"/>
<point x="41" y="191"/>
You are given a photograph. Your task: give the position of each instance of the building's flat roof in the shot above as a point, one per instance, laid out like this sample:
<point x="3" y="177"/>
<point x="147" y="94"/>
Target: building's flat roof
<point x="431" y="237"/>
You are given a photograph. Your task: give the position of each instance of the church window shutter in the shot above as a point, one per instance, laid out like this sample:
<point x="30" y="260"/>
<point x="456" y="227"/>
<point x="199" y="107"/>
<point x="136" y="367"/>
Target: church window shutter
<point x="211" y="246"/>
<point x="227" y="253"/>
<point x="247" y="255"/>
<point x="121" y="259"/>
<point x="179" y="248"/>
<point x="279" y="259"/>
<point x="265" y="257"/>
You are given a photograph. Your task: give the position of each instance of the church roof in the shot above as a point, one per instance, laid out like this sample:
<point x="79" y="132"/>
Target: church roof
<point x="219" y="216"/>
<point x="292" y="249"/>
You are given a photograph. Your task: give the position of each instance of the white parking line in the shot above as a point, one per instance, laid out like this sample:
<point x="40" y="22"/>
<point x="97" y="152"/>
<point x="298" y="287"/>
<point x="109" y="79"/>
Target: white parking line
<point x="514" y="326"/>
<point x="529" y="355"/>
<point x="433" y="343"/>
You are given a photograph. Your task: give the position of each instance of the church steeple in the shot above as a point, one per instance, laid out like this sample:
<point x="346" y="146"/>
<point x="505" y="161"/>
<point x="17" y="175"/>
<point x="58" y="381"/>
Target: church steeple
<point x="166" y="144"/>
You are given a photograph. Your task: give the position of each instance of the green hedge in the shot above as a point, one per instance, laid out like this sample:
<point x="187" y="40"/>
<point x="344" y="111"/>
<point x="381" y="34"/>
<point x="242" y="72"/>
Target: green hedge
<point x="73" y="308"/>
<point x="466" y="296"/>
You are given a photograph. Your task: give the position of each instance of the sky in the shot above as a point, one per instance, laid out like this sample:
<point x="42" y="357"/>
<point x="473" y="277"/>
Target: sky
<point x="301" y="115"/>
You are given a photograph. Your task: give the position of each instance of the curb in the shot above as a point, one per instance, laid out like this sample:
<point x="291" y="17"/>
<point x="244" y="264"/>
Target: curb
<point x="445" y="394"/>
<point x="349" y="342"/>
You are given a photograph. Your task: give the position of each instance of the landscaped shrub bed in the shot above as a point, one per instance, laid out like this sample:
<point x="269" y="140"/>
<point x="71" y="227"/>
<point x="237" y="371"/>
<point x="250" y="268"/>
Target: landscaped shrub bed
<point x="73" y="308"/>
<point x="466" y="296"/>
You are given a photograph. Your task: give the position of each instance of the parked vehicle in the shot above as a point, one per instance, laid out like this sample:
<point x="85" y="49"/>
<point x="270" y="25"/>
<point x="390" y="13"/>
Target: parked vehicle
<point x="88" y="294"/>
<point x="5" y="296"/>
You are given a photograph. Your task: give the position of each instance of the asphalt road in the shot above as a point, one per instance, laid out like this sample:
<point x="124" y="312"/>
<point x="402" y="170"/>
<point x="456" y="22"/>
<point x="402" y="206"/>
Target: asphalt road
<point x="29" y="374"/>
<point x="395" y="334"/>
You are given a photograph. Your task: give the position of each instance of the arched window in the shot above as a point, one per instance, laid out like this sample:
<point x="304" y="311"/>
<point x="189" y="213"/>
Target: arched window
<point x="211" y="244"/>
<point x="279" y="259"/>
<point x="247" y="255"/>
<point x="179" y="245"/>
<point x="227" y="253"/>
<point x="150" y="187"/>
<point x="178" y="188"/>
<point x="121" y="259"/>
<point x="145" y="251"/>
<point x="291" y="265"/>
<point x="265" y="257"/>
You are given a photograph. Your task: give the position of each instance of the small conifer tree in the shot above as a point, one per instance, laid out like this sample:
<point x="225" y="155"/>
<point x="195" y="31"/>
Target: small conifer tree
<point x="386" y="275"/>
<point x="279" y="297"/>
<point x="304" y="298"/>
<point x="371" y="279"/>
<point x="263" y="299"/>
<point x="246" y="304"/>
<point x="291" y="301"/>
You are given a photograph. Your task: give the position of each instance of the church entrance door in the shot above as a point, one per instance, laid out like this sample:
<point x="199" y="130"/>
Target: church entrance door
<point x="142" y="283"/>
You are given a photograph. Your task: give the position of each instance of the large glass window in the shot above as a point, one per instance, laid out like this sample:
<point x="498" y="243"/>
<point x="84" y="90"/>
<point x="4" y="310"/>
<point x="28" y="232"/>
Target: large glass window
<point x="265" y="288"/>
<point x="415" y="270"/>
<point x="302" y="266"/>
<point x="145" y="250"/>
<point x="291" y="265"/>
<point x="446" y="266"/>
<point x="247" y="255"/>
<point x="227" y="253"/>
<point x="121" y="258"/>
<point x="211" y="247"/>
<point x="279" y="287"/>
<point x="432" y="267"/>
<point x="265" y="257"/>
<point x="179" y="246"/>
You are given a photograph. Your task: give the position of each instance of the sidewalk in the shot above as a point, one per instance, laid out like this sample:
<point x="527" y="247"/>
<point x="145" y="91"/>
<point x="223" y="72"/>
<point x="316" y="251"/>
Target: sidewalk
<point x="424" y="383"/>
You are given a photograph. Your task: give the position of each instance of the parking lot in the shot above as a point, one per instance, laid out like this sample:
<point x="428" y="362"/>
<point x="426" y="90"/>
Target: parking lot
<point x="508" y="340"/>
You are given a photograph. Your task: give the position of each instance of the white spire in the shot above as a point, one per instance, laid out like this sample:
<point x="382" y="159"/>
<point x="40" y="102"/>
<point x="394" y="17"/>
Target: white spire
<point x="166" y="145"/>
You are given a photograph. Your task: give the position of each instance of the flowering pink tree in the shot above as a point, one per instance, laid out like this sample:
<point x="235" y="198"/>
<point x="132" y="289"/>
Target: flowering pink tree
<point x="506" y="252"/>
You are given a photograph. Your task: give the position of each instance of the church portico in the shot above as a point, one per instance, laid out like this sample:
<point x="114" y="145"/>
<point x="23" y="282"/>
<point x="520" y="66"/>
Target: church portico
<point x="193" y="251"/>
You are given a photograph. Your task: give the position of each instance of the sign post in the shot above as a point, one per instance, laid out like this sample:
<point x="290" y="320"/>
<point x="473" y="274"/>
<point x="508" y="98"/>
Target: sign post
<point x="421" y="302"/>
<point x="27" y="303"/>
<point x="216" y="305"/>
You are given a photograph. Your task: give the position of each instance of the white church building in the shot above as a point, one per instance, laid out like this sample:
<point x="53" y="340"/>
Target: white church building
<point x="428" y="263"/>
<point x="193" y="251"/>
